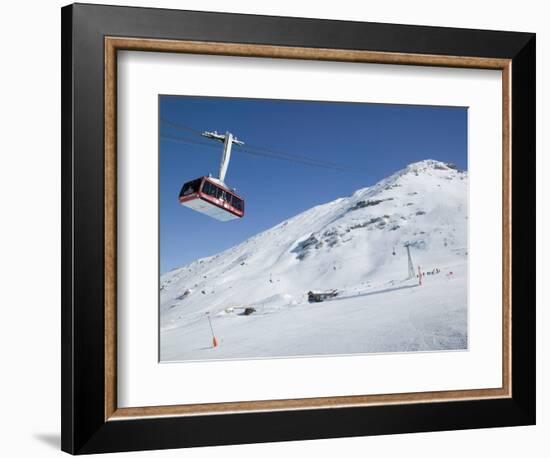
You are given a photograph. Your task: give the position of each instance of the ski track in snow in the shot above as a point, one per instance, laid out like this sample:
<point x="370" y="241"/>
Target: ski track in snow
<point x="346" y="244"/>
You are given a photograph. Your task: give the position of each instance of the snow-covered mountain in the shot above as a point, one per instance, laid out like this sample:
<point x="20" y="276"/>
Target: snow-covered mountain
<point x="355" y="245"/>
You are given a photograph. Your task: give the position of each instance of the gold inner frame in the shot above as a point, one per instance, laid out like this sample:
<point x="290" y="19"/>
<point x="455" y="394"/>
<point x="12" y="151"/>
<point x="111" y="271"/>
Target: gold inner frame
<point x="114" y="44"/>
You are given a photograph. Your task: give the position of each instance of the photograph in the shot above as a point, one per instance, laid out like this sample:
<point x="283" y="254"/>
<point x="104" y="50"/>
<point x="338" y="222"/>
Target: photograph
<point x="296" y="228"/>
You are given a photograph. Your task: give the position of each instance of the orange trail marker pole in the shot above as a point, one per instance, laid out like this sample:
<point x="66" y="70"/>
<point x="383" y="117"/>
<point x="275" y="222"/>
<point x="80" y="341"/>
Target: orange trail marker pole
<point x="214" y="340"/>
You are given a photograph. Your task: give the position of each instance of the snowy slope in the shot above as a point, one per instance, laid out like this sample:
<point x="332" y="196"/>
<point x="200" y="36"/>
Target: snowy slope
<point x="346" y="244"/>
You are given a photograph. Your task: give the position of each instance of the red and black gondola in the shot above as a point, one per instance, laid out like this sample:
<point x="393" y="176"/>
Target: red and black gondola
<point x="211" y="197"/>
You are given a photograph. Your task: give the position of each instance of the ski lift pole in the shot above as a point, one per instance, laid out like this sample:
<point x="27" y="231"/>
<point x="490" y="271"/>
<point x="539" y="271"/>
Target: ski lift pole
<point x="214" y="340"/>
<point x="409" y="261"/>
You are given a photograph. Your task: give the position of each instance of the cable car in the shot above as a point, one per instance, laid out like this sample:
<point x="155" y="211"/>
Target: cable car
<point x="211" y="197"/>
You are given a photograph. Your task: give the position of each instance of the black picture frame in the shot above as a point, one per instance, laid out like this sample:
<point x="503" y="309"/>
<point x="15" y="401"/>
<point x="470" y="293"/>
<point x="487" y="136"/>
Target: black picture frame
<point x="84" y="427"/>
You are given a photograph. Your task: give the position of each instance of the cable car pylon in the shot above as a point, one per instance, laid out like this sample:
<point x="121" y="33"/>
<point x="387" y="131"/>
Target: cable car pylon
<point x="411" y="273"/>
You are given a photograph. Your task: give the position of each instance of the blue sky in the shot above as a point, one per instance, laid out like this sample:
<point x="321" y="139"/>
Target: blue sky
<point x="370" y="140"/>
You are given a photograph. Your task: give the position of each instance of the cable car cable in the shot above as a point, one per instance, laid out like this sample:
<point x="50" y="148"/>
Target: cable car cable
<point x="180" y="126"/>
<point x="188" y="140"/>
<point x="259" y="151"/>
<point x="256" y="153"/>
<point x="297" y="160"/>
<point x="266" y="150"/>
